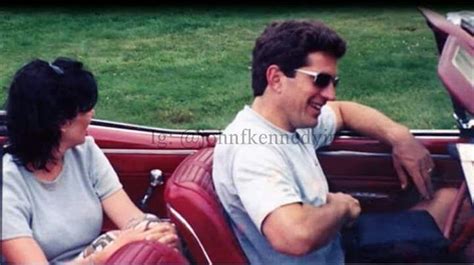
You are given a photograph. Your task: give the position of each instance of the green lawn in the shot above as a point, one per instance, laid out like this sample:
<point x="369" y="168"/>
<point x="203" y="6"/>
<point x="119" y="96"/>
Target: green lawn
<point x="189" y="67"/>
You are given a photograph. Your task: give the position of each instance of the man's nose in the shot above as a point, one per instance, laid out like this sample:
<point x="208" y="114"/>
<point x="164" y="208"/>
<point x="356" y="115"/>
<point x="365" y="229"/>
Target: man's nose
<point x="329" y="92"/>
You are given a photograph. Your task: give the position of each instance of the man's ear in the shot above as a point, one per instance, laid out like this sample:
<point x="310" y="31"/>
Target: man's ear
<point x="274" y="78"/>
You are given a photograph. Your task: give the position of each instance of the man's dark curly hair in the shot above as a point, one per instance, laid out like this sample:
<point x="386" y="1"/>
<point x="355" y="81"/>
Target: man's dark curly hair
<point x="287" y="45"/>
<point x="41" y="98"/>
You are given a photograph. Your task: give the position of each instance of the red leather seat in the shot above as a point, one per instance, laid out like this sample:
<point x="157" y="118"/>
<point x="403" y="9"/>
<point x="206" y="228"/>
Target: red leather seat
<point x="144" y="253"/>
<point x="199" y="217"/>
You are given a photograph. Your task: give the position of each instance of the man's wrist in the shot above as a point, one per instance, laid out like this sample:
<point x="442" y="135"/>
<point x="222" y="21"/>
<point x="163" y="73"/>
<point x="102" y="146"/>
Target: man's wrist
<point x="344" y="211"/>
<point x="397" y="133"/>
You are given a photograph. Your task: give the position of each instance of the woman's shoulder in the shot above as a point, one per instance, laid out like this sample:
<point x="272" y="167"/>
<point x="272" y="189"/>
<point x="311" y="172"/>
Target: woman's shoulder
<point x="9" y="165"/>
<point x="11" y="172"/>
<point x="89" y="141"/>
<point x="88" y="144"/>
<point x="84" y="152"/>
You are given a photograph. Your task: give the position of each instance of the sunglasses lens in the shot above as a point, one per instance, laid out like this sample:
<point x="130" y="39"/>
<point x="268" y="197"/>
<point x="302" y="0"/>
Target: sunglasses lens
<point x="323" y="80"/>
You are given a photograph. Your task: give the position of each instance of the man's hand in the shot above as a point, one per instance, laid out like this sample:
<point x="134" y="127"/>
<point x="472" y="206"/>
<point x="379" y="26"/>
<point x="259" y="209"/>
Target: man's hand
<point x="413" y="159"/>
<point x="409" y="156"/>
<point x="349" y="203"/>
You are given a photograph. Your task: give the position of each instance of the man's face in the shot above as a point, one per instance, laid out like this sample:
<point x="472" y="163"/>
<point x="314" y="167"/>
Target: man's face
<point x="303" y="98"/>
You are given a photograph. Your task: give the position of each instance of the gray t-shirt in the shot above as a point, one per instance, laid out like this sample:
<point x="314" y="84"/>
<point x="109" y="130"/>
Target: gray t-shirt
<point x="64" y="215"/>
<point x="259" y="167"/>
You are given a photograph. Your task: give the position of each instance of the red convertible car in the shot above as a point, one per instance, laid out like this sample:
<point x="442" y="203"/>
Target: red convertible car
<point x="169" y="172"/>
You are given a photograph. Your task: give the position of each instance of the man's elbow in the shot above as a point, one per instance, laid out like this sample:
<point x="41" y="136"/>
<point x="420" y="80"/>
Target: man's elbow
<point x="295" y="243"/>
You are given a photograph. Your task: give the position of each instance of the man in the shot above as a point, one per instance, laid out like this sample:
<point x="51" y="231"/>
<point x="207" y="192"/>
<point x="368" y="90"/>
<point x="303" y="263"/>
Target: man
<point x="266" y="172"/>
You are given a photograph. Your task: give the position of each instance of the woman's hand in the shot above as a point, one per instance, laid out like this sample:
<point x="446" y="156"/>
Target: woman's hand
<point x="159" y="231"/>
<point x="163" y="232"/>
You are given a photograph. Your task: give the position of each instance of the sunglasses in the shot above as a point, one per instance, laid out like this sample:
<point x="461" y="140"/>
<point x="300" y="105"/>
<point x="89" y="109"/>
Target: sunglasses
<point x="321" y="80"/>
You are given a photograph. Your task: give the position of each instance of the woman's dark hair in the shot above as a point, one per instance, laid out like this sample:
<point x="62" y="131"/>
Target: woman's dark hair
<point x="287" y="44"/>
<point x="41" y="98"/>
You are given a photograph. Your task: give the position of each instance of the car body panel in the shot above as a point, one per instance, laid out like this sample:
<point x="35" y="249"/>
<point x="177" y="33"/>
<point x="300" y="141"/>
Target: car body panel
<point x="367" y="171"/>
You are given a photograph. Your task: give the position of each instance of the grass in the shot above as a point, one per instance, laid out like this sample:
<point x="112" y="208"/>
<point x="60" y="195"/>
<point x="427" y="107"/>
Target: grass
<point x="189" y="67"/>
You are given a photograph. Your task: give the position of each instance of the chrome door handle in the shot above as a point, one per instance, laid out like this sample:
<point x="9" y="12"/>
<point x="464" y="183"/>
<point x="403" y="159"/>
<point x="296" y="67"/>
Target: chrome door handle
<point x="369" y="195"/>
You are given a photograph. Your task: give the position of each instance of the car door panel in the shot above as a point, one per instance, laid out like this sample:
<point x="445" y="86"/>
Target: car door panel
<point x="364" y="168"/>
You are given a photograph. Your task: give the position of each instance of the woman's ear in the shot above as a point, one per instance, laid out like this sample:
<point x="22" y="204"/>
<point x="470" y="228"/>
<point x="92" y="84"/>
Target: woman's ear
<point x="65" y="126"/>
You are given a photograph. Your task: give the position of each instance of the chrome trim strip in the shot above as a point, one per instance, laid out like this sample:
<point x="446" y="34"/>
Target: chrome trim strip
<point x="434" y="131"/>
<point x="156" y="134"/>
<point x="148" y="133"/>
<point x="136" y="127"/>
<point x="192" y="151"/>
<point x="190" y="229"/>
<point x="417" y="132"/>
<point x="369" y="154"/>
<point x="369" y="195"/>
<point x="149" y="151"/>
<point x="445" y="137"/>
<point x="418" y="136"/>
<point x="119" y="129"/>
<point x="207" y="132"/>
<point x="466" y="155"/>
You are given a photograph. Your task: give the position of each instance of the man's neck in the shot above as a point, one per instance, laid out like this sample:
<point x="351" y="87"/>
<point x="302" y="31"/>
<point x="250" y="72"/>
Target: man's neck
<point x="271" y="112"/>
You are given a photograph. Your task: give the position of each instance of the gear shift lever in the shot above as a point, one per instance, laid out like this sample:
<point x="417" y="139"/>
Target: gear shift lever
<point x="156" y="178"/>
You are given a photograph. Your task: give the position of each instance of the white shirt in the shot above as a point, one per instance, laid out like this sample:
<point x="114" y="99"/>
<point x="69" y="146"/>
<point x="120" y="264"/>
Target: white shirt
<point x="259" y="167"/>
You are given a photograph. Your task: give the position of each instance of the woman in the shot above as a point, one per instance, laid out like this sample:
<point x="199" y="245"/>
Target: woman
<point x="57" y="182"/>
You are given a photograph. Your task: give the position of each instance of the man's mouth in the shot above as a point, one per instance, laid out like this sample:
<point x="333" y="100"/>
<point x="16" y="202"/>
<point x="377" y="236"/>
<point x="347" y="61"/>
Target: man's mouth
<point x="316" y="106"/>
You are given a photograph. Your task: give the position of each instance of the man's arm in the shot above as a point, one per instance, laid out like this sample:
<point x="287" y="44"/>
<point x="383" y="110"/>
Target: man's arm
<point x="409" y="156"/>
<point x="267" y="191"/>
<point x="296" y="229"/>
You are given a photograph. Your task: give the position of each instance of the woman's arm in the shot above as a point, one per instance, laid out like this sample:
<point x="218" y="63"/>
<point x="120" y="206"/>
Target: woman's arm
<point x="124" y="237"/>
<point x="23" y="250"/>
<point x="120" y="208"/>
